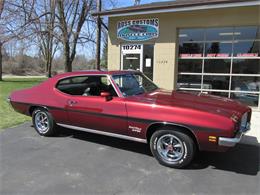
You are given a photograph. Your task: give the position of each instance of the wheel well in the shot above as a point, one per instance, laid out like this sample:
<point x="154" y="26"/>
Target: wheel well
<point x="156" y="127"/>
<point x="32" y="108"/>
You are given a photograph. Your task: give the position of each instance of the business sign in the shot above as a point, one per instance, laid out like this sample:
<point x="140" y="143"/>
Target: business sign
<point x="138" y="30"/>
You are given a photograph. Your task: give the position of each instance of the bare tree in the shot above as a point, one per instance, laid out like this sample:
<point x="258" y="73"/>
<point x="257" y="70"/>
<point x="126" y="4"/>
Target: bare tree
<point x="49" y="24"/>
<point x="43" y="29"/>
<point x="2" y="2"/>
<point x="137" y="2"/>
<point x="1" y="61"/>
<point x="15" y="17"/>
<point x="72" y="16"/>
<point x="104" y="52"/>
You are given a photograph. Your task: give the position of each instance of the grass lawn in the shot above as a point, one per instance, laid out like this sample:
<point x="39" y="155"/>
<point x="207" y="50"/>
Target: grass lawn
<point x="8" y="117"/>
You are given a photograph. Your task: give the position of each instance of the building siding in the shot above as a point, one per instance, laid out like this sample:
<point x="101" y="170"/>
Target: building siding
<point x="165" y="50"/>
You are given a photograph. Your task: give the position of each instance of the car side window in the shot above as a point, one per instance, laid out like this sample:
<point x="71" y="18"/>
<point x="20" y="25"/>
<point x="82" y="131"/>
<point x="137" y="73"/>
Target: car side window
<point x="86" y="86"/>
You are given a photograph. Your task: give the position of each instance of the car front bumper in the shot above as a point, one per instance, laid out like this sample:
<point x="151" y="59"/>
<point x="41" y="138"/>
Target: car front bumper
<point x="231" y="142"/>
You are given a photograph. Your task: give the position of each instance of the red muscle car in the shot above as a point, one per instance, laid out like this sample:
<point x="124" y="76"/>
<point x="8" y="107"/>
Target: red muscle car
<point x="127" y="105"/>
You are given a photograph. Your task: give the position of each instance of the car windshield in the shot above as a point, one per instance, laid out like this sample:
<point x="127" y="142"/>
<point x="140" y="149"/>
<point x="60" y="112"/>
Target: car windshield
<point x="134" y="84"/>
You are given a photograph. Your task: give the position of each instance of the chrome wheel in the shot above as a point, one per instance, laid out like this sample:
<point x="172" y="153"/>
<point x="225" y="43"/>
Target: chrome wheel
<point x="42" y="122"/>
<point x="170" y="148"/>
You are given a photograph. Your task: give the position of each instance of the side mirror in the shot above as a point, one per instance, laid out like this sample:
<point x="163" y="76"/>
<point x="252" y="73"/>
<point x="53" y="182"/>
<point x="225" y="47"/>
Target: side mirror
<point x="106" y="95"/>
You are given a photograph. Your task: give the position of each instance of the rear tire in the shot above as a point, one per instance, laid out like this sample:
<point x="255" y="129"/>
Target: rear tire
<point x="172" y="148"/>
<point x="43" y="122"/>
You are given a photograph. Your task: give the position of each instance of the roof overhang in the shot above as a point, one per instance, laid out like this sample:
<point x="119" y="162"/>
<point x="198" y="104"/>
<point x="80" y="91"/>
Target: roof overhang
<point x="179" y="8"/>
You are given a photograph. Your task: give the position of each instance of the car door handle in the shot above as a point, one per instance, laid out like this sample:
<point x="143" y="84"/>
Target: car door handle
<point x="72" y="102"/>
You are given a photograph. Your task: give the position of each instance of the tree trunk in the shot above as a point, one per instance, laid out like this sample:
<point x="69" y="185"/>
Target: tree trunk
<point x="49" y="71"/>
<point x="46" y="66"/>
<point x="49" y="67"/>
<point x="68" y="61"/>
<point x="68" y="64"/>
<point x="1" y="62"/>
<point x="48" y="62"/>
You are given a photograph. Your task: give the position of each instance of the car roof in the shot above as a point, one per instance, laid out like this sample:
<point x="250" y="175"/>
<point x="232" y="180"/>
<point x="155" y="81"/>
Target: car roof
<point x="94" y="72"/>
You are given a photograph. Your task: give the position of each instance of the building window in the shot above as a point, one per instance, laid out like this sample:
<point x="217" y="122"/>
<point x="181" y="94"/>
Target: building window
<point x="221" y="61"/>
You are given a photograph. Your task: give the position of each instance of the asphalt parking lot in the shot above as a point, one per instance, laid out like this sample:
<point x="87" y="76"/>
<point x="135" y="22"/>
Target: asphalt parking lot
<point x="83" y="163"/>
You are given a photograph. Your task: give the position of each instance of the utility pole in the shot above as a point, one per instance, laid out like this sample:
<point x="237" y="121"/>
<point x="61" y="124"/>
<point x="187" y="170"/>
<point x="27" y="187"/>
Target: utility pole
<point x="98" y="35"/>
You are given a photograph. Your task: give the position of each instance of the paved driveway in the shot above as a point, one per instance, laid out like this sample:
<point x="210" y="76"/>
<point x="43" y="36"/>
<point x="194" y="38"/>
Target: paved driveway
<point x="83" y="163"/>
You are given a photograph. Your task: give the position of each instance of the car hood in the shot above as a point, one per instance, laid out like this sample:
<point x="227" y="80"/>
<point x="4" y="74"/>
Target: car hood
<point x="196" y="101"/>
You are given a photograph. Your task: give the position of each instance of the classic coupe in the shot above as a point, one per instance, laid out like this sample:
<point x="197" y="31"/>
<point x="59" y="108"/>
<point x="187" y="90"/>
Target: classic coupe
<point x="127" y="105"/>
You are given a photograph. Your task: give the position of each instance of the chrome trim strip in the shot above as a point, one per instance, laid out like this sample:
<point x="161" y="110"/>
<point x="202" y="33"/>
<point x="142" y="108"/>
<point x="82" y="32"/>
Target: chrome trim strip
<point x="231" y="142"/>
<point x="104" y="133"/>
<point x="118" y="92"/>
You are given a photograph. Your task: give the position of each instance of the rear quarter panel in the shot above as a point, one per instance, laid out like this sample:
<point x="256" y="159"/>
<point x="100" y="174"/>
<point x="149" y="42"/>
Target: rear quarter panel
<point x="43" y="95"/>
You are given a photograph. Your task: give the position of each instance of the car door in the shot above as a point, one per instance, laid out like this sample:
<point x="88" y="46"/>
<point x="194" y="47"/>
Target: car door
<point x="94" y="112"/>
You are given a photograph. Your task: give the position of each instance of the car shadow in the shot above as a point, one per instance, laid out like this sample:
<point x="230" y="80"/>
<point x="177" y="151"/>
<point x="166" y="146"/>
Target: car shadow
<point x="106" y="140"/>
<point x="242" y="159"/>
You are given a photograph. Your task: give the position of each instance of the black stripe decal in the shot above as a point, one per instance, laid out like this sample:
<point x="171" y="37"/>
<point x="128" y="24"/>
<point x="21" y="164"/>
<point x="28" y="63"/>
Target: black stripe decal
<point x="114" y="116"/>
<point x="140" y="120"/>
<point x="93" y="113"/>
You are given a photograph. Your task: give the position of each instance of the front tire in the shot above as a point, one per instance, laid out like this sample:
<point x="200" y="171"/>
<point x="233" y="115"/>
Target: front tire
<point x="43" y="122"/>
<point x="172" y="148"/>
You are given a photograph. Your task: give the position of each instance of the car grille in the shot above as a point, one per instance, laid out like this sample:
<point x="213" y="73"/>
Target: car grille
<point x="243" y="120"/>
<point x="244" y="124"/>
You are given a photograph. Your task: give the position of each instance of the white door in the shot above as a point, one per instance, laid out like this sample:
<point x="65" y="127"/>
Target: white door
<point x="132" y="57"/>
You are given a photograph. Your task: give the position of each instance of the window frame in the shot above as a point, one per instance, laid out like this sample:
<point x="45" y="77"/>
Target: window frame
<point x="137" y="72"/>
<point x="231" y="58"/>
<point x="86" y="75"/>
